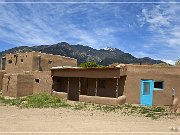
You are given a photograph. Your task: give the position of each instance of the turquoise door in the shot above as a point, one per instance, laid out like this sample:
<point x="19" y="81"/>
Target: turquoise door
<point x="146" y="97"/>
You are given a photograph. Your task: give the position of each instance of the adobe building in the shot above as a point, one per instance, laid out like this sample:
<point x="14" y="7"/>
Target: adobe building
<point x="151" y="85"/>
<point x="141" y="84"/>
<point x="34" y="61"/>
<point x="97" y="85"/>
<point x="23" y="74"/>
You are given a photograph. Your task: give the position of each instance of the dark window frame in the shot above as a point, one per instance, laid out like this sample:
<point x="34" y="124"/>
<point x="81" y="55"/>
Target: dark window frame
<point x="37" y="80"/>
<point x="50" y="62"/>
<point x="9" y="61"/>
<point x="158" y="85"/>
<point x="102" y="83"/>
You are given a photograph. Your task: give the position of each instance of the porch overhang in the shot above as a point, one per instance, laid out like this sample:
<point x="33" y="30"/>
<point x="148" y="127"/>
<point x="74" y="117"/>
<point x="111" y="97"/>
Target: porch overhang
<point x="89" y="72"/>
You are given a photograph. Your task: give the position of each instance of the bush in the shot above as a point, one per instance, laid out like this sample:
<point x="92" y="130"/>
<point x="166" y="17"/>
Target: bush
<point x="89" y="64"/>
<point x="43" y="100"/>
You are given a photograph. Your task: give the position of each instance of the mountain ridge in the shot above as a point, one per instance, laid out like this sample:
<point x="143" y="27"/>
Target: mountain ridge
<point x="85" y="53"/>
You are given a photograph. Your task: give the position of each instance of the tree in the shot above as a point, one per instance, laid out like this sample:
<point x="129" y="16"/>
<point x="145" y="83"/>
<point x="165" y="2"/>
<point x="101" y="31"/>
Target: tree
<point x="89" y="64"/>
<point x="177" y="63"/>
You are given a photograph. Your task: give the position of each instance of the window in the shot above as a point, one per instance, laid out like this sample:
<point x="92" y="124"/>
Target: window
<point x="146" y="90"/>
<point x="9" y="61"/>
<point x="21" y="60"/>
<point x="50" y="62"/>
<point x="37" y="80"/>
<point x="158" y="85"/>
<point x="101" y="83"/>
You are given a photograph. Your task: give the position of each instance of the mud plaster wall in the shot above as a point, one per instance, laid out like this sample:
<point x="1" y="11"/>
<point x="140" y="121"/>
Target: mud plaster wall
<point x="20" y="62"/>
<point x="109" y="90"/>
<point x="45" y="82"/>
<point x="17" y="85"/>
<point x="121" y="85"/>
<point x="98" y="100"/>
<point x="44" y="62"/>
<point x="170" y="76"/>
<point x="9" y="85"/>
<point x="17" y="63"/>
<point x="24" y="85"/>
<point x="88" y="73"/>
<point x="1" y="78"/>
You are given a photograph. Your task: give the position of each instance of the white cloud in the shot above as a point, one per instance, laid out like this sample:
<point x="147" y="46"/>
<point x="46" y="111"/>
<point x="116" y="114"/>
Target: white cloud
<point x="162" y="23"/>
<point x="35" y="24"/>
<point x="172" y="62"/>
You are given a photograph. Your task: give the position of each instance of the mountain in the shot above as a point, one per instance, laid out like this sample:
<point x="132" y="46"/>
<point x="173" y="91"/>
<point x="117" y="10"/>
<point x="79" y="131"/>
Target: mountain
<point x="82" y="53"/>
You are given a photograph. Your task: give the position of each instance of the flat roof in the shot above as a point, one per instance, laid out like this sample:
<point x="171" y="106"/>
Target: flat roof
<point x="103" y="72"/>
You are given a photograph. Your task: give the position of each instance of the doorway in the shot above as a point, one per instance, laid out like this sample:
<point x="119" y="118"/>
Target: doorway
<point x="146" y="97"/>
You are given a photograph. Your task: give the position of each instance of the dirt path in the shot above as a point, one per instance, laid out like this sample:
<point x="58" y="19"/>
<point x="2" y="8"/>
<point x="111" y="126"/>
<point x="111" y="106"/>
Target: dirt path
<point x="13" y="119"/>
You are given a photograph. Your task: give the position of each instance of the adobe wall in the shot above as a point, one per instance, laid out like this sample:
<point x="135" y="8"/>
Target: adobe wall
<point x="9" y="87"/>
<point x="170" y="76"/>
<point x="121" y="86"/>
<point x="42" y="82"/>
<point x="88" y="72"/>
<point x="35" y="61"/>
<point x="17" y="63"/>
<point x="109" y="90"/>
<point x="43" y="62"/>
<point x="24" y="85"/>
<point x="17" y="85"/>
<point x="62" y="95"/>
<point x="2" y="72"/>
<point x="103" y="100"/>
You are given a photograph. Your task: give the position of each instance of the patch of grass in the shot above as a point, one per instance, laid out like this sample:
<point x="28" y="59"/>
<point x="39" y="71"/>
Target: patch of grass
<point x="43" y="100"/>
<point x="80" y="106"/>
<point x="11" y="102"/>
<point x="40" y="100"/>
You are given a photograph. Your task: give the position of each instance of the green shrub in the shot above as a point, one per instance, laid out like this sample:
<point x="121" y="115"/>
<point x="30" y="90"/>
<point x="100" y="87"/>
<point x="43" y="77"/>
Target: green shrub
<point x="89" y="64"/>
<point x="43" y="100"/>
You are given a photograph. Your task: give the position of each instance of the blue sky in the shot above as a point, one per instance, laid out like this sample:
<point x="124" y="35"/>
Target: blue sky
<point x="142" y="29"/>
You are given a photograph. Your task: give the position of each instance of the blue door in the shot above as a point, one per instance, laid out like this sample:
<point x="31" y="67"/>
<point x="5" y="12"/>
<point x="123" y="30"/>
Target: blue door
<point x="147" y="87"/>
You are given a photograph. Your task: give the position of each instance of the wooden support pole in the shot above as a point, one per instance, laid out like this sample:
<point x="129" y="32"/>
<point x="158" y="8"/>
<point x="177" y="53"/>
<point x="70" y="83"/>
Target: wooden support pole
<point x="68" y="88"/>
<point x="1" y="63"/>
<point x="96" y="88"/>
<point x="79" y="85"/>
<point x="117" y="87"/>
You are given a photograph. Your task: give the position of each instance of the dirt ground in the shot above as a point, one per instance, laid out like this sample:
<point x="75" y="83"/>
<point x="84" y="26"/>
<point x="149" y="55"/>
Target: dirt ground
<point x="68" y="121"/>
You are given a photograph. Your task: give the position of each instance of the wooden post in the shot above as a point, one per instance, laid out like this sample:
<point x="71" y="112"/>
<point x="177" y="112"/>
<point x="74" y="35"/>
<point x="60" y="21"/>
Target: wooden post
<point x="1" y="63"/>
<point x="79" y="85"/>
<point x="96" y="87"/>
<point x="117" y="87"/>
<point x="68" y="89"/>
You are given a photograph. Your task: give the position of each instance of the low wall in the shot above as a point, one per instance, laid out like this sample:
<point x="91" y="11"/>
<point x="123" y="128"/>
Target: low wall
<point x="2" y="72"/>
<point x="60" y="94"/>
<point x="103" y="100"/>
<point x="43" y="83"/>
